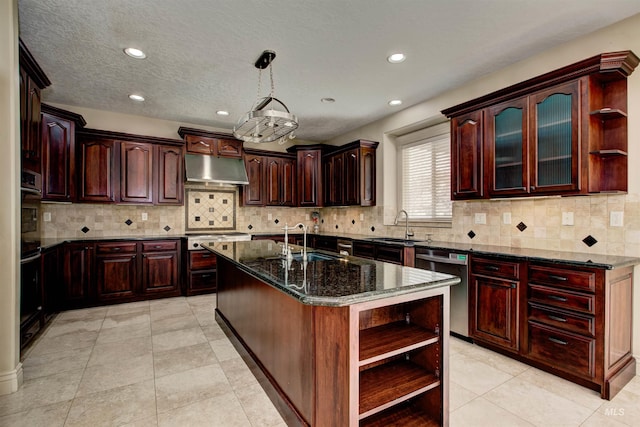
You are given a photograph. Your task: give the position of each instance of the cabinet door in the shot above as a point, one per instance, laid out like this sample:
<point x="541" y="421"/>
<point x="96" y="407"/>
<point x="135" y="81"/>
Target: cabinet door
<point x="58" y="155"/>
<point x="337" y="182"/>
<point x="494" y="311"/>
<point x="116" y="276"/>
<point x="229" y="148"/>
<point x="288" y="181"/>
<point x="272" y="181"/>
<point x="554" y="150"/>
<point x="309" y="178"/>
<point x="253" y="193"/>
<point x="367" y="177"/>
<point x="351" y="195"/>
<point x="170" y="175"/>
<point x="200" y="144"/>
<point x="97" y="166"/>
<point x="506" y="145"/>
<point x="76" y="273"/>
<point x="136" y="172"/>
<point x="466" y="156"/>
<point x="160" y="272"/>
<point x="51" y="282"/>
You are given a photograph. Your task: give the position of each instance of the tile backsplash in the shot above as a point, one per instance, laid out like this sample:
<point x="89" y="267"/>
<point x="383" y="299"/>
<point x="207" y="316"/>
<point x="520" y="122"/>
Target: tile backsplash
<point x="523" y="223"/>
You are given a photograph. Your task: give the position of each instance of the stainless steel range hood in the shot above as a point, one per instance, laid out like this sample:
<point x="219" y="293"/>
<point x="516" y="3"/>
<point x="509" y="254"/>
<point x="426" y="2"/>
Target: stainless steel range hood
<point x="217" y="170"/>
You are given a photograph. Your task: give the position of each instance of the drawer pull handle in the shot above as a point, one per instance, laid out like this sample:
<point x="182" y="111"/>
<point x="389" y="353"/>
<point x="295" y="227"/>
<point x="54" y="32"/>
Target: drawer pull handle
<point x="557" y="341"/>
<point x="157" y="247"/>
<point x="116" y="249"/>
<point x="559" y="278"/>
<point x="557" y="298"/>
<point x="204" y="276"/>
<point x="492" y="267"/>
<point x="556" y="318"/>
<point x="206" y="256"/>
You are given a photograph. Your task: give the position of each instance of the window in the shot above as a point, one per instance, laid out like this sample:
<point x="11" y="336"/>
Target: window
<point x="425" y="176"/>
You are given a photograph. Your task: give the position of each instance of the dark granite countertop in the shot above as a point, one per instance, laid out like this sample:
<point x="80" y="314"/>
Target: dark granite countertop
<point x="51" y="242"/>
<point x="335" y="280"/>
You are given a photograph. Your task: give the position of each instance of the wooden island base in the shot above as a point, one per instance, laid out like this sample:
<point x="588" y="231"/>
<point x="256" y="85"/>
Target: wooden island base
<point x="374" y="363"/>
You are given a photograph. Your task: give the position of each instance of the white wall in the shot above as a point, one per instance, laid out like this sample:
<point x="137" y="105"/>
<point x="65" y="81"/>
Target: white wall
<point x="10" y="368"/>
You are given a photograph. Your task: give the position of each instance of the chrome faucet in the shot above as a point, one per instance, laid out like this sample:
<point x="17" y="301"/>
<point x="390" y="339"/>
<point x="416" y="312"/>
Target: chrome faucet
<point x="285" y="249"/>
<point x="407" y="233"/>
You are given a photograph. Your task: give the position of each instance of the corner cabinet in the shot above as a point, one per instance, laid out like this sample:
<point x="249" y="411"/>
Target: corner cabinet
<point x="350" y="174"/>
<point x="272" y="179"/>
<point x="309" y="175"/>
<point x="564" y="132"/>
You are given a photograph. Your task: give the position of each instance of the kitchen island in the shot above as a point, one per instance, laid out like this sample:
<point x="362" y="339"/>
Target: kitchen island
<point x="342" y="341"/>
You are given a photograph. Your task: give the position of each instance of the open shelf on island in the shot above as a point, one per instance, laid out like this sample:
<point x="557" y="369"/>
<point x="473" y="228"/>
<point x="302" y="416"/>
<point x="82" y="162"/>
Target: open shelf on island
<point x="406" y="415"/>
<point x="607" y="153"/>
<point x="387" y="385"/>
<point x="608" y="113"/>
<point x="392" y="339"/>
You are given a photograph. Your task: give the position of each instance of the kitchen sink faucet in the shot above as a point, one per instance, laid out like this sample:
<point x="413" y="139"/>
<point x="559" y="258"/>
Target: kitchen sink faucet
<point x="407" y="233"/>
<point x="285" y="249"/>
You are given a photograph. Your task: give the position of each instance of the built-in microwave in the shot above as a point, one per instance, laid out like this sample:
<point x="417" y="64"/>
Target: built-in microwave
<point x="31" y="183"/>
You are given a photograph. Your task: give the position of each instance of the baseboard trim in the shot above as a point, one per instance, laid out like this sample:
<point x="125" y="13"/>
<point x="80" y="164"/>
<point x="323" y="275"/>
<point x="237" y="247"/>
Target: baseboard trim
<point x="11" y="381"/>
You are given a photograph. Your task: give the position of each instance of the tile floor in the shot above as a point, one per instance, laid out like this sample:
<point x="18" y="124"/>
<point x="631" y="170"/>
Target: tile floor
<point x="167" y="363"/>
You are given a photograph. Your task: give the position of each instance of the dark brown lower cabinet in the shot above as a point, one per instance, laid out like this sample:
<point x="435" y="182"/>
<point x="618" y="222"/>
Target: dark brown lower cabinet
<point x="77" y="267"/>
<point x="201" y="272"/>
<point x="160" y="267"/>
<point x="116" y="271"/>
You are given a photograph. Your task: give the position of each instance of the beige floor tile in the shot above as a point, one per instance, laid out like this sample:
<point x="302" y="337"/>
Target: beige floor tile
<point x="633" y="385"/>
<point x="175" y="339"/>
<point x="170" y="310"/>
<point x="182" y="359"/>
<point x="474" y="375"/>
<point x="537" y="405"/>
<point x="120" y="351"/>
<point x="116" y="374"/>
<point x="238" y="373"/>
<point x="52" y="363"/>
<point x="94" y="313"/>
<point x="205" y="315"/>
<point x="213" y="332"/>
<point x="114" y="407"/>
<point x="623" y="408"/>
<point x="496" y="360"/>
<point x="127" y="308"/>
<point x="121" y="333"/>
<point x="126" y="319"/>
<point x="224" y="350"/>
<point x="578" y="394"/>
<point x="43" y="416"/>
<point x="62" y="328"/>
<point x="600" y="420"/>
<point x="459" y="396"/>
<point x="482" y="413"/>
<point x="40" y="392"/>
<point x="258" y="407"/>
<point x="220" y="411"/>
<point x="457" y="345"/>
<point x="64" y="342"/>
<point x="174" y="323"/>
<point x="145" y="422"/>
<point x="186" y="387"/>
<point x="208" y="300"/>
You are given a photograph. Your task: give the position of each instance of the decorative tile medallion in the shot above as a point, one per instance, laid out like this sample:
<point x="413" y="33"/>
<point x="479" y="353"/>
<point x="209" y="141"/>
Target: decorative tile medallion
<point x="210" y="210"/>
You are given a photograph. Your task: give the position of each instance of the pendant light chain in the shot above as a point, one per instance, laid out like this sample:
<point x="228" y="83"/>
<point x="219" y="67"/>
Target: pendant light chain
<point x="273" y="88"/>
<point x="259" y="86"/>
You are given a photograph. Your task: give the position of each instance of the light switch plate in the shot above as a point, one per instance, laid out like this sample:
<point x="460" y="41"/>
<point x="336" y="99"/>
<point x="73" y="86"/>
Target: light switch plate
<point x="567" y="218"/>
<point x="361" y="217"/>
<point x="46" y="217"/>
<point x="145" y="216"/>
<point x="481" y="218"/>
<point x="269" y="217"/>
<point x="307" y="217"/>
<point x="506" y="218"/>
<point x="616" y="219"/>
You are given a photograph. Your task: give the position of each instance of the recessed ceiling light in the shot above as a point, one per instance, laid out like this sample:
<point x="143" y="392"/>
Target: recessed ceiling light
<point x="327" y="100"/>
<point x="396" y="58"/>
<point x="135" y="53"/>
<point x="222" y="113"/>
<point x="395" y="102"/>
<point x="135" y="97"/>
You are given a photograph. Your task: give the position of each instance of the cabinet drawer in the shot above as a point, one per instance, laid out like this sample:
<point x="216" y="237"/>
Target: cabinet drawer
<point x="562" y="320"/>
<point x="393" y="254"/>
<point x="201" y="260"/>
<point x="576" y="279"/>
<point x="561" y="299"/>
<point x="562" y="350"/>
<point x="170" y="245"/>
<point x="364" y="250"/>
<point x="203" y="281"/>
<point x="115" y="248"/>
<point x="495" y="268"/>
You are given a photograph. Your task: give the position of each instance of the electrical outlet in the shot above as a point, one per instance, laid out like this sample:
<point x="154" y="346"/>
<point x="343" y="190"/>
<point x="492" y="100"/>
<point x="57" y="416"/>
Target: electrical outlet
<point x="46" y="217"/>
<point x="307" y="217"/>
<point x="616" y="219"/>
<point x="567" y="218"/>
<point x="145" y="216"/>
<point x="269" y="217"/>
<point x="335" y="217"/>
<point x="361" y="217"/>
<point x="481" y="218"/>
<point x="506" y="218"/>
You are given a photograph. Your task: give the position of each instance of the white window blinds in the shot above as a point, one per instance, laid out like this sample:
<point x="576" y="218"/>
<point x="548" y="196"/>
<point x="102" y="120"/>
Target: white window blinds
<point x="426" y="179"/>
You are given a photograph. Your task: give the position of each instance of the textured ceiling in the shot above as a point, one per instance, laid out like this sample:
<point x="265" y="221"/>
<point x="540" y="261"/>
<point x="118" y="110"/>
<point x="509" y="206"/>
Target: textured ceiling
<point x="200" y="53"/>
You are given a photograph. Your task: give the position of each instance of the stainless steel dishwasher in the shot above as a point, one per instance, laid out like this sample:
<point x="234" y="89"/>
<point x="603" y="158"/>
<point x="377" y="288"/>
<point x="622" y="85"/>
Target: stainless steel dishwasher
<point x="444" y="261"/>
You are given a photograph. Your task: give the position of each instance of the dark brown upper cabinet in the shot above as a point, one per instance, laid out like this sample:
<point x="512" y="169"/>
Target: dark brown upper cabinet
<point x="97" y="169"/>
<point x="309" y="174"/>
<point x="136" y="172"/>
<point x="561" y="133"/>
<point x="272" y="179"/>
<point x="350" y="175"/>
<point x="169" y="178"/>
<point x="211" y="143"/>
<point x="59" y="153"/>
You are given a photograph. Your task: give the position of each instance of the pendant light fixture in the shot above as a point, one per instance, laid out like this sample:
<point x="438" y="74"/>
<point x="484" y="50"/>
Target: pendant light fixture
<point x="264" y="123"/>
